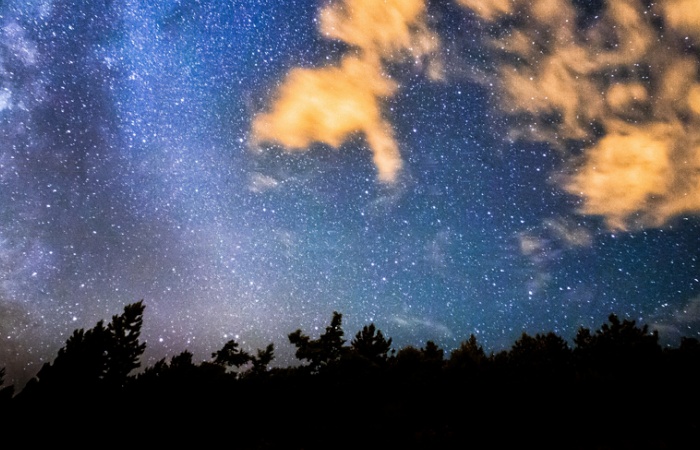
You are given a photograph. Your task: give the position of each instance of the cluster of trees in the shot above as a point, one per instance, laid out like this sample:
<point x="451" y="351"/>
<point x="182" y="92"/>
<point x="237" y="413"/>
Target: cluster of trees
<point x="100" y="358"/>
<point x="413" y="395"/>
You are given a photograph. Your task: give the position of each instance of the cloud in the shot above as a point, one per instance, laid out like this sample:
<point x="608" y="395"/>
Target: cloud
<point x="14" y="37"/>
<point x="259" y="183"/>
<point x="683" y="322"/>
<point x="436" y="250"/>
<point x="631" y="172"/>
<point x="621" y="82"/>
<point x="544" y="246"/>
<point x="387" y="28"/>
<point x="5" y="99"/>
<point x="416" y="323"/>
<point x="689" y="314"/>
<point x="488" y="9"/>
<point x="330" y="104"/>
<point x="683" y="15"/>
<point x="18" y="58"/>
<point x="554" y="233"/>
<point x="569" y="233"/>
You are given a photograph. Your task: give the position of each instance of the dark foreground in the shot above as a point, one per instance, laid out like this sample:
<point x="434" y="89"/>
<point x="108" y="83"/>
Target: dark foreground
<point x="615" y="389"/>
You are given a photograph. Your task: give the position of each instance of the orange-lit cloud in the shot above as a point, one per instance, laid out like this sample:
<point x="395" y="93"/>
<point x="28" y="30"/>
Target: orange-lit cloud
<point x="488" y="9"/>
<point x="623" y="172"/>
<point x="622" y="84"/>
<point x="683" y="15"/>
<point x="389" y="29"/>
<point x="330" y="104"/>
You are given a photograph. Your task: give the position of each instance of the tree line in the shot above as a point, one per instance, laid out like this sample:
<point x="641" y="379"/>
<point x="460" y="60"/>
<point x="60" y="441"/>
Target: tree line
<point x="369" y="394"/>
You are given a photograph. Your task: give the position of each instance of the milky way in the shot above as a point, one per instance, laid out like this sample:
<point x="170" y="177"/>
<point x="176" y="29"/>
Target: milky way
<point x="488" y="168"/>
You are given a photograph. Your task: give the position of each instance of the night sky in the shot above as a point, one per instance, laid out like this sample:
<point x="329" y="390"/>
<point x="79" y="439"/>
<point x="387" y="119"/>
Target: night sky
<point x="247" y="167"/>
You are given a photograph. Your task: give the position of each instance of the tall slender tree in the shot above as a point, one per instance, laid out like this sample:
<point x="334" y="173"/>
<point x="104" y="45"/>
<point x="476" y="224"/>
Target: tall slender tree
<point x="124" y="348"/>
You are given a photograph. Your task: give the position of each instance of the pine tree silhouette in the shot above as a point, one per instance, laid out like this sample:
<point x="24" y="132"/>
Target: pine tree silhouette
<point x="98" y="359"/>
<point x="325" y="350"/>
<point x="371" y="344"/>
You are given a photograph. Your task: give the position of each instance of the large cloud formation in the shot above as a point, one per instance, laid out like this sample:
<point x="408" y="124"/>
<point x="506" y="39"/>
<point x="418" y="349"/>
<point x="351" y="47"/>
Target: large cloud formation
<point x="623" y="83"/>
<point x="329" y="104"/>
<point x="619" y="79"/>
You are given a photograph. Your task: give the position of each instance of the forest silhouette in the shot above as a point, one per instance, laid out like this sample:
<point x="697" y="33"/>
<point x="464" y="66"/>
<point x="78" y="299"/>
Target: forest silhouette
<point x="616" y="387"/>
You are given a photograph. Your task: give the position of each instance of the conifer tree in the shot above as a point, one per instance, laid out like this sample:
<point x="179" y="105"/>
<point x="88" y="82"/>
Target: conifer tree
<point x="231" y="356"/>
<point x="124" y="349"/>
<point x="371" y="344"/>
<point x="325" y="350"/>
<point x="102" y="356"/>
<point x="262" y="360"/>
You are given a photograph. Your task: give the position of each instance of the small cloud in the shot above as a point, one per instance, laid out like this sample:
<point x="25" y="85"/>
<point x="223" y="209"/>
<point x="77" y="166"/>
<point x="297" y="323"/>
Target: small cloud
<point x="545" y="244"/>
<point x="416" y="323"/>
<point x="262" y="183"/>
<point x="5" y="99"/>
<point x="554" y="235"/>
<point x="21" y="48"/>
<point x="689" y="314"/>
<point x="437" y="249"/>
<point x="683" y="322"/>
<point x="568" y="232"/>
<point x="488" y="9"/>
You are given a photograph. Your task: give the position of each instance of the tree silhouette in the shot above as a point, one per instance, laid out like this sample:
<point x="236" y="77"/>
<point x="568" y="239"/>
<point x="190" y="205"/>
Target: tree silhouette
<point x="543" y="351"/>
<point x="179" y="364"/>
<point x="124" y="349"/>
<point x="684" y="361"/>
<point x="183" y="361"/>
<point x="325" y="350"/>
<point x="101" y="357"/>
<point x="469" y="357"/>
<point x="433" y="354"/>
<point x="231" y="356"/>
<point x="617" y="348"/>
<point x="371" y="344"/>
<point x="80" y="364"/>
<point x="261" y="361"/>
<point x="387" y="402"/>
<point x="424" y="363"/>
<point x="162" y="375"/>
<point x="7" y="391"/>
<point x="181" y="377"/>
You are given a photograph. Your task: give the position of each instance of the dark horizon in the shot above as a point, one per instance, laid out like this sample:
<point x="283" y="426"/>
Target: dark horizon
<point x="614" y="388"/>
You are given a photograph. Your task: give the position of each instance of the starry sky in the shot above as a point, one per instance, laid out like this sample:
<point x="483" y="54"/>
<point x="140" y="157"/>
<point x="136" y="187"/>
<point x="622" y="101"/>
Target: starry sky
<point x="247" y="167"/>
